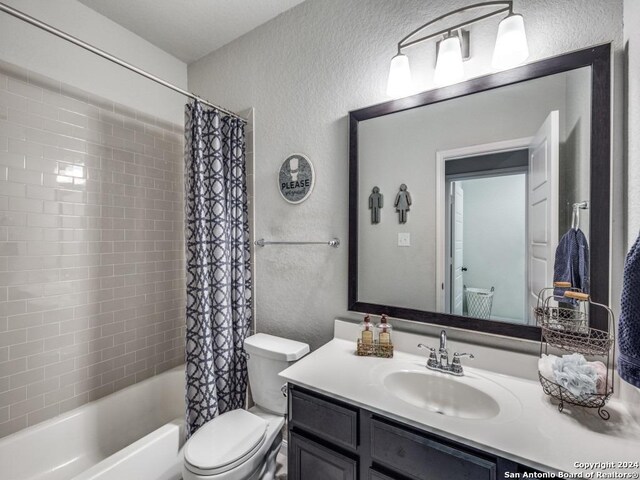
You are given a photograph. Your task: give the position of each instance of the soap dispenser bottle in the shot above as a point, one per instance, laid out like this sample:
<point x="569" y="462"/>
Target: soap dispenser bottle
<point x="366" y="331"/>
<point x="384" y="331"/>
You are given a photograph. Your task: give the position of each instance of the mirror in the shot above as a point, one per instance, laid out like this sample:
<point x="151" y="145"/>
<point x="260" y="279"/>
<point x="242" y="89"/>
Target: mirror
<point x="458" y="196"/>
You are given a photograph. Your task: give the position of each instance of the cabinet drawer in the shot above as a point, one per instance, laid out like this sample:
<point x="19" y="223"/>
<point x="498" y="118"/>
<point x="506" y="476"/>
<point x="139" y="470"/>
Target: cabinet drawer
<point x="420" y="458"/>
<point x="312" y="461"/>
<point x="335" y="423"/>
<point x="373" y="475"/>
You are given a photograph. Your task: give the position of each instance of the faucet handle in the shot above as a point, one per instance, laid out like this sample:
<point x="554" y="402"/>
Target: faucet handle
<point x="458" y="355"/>
<point x="422" y="345"/>
<point x="433" y="360"/>
<point x="456" y="366"/>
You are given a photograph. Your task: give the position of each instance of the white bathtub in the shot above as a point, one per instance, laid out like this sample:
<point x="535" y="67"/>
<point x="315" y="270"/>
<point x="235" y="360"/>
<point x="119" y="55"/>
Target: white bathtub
<point x="133" y="434"/>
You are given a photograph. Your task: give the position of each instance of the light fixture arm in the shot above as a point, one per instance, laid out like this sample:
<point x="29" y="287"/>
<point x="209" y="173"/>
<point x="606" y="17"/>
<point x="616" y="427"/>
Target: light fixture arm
<point x="504" y="7"/>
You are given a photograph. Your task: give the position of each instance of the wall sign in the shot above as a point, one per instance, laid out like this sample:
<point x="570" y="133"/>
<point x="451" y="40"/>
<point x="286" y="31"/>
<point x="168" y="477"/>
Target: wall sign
<point x="296" y="178"/>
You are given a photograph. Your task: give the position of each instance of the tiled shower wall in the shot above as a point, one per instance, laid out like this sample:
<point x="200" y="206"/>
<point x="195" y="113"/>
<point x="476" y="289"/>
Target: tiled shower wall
<point x="91" y="247"/>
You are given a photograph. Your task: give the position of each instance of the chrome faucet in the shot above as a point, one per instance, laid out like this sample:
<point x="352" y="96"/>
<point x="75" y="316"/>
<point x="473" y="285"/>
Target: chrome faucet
<point x="444" y="353"/>
<point x="440" y="363"/>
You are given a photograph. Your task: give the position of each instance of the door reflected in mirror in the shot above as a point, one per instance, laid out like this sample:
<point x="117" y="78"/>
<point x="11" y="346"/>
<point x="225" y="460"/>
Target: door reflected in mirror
<point x="493" y="177"/>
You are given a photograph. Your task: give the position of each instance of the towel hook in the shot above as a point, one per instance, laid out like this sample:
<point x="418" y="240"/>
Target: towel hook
<point x="575" y="216"/>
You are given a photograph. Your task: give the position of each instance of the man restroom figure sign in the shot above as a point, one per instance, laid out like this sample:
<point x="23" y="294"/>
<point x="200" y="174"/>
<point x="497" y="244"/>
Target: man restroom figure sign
<point x="402" y="203"/>
<point x="376" y="202"/>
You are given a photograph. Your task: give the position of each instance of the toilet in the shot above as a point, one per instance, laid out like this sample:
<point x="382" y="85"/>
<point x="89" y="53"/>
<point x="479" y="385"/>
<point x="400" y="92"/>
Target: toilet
<point x="243" y="444"/>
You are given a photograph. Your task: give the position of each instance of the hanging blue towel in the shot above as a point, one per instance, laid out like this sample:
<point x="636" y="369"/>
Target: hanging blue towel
<point x="629" y="324"/>
<point x="572" y="263"/>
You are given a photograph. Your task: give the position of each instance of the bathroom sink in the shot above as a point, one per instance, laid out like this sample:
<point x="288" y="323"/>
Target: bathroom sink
<point x="444" y="394"/>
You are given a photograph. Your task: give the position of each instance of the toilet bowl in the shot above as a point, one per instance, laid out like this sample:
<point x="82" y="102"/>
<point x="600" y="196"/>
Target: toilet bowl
<point x="245" y="452"/>
<point x="243" y="444"/>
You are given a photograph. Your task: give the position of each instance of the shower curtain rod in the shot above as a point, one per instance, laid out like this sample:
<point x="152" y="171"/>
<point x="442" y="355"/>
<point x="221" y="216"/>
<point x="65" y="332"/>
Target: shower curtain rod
<point x="76" y="41"/>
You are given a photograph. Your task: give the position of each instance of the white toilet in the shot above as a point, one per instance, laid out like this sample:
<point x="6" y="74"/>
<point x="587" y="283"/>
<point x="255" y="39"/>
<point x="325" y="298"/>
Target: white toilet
<point x="243" y="444"/>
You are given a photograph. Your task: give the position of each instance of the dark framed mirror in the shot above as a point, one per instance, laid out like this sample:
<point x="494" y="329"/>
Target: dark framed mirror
<point x="492" y="139"/>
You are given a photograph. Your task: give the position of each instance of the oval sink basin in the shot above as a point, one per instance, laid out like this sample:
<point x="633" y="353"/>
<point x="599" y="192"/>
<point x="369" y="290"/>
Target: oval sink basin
<point x="439" y="393"/>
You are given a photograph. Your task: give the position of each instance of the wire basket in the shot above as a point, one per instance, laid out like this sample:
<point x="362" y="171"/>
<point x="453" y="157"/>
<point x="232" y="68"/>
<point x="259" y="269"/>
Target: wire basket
<point x="479" y="301"/>
<point x="568" y="329"/>
<point x="593" y="400"/>
<point x="557" y="317"/>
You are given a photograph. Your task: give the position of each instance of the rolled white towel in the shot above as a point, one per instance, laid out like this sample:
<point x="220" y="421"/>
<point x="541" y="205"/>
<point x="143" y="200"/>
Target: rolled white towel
<point x="601" y="381"/>
<point x="545" y="366"/>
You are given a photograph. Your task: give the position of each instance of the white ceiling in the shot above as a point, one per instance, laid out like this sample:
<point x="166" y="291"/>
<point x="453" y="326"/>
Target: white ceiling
<point x="190" y="29"/>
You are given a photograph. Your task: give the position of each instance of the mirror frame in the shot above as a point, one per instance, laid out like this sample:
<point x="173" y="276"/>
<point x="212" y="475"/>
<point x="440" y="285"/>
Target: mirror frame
<point x="599" y="59"/>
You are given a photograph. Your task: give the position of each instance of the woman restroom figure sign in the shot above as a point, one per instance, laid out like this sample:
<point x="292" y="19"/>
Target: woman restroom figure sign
<point x="402" y="203"/>
<point x="296" y="178"/>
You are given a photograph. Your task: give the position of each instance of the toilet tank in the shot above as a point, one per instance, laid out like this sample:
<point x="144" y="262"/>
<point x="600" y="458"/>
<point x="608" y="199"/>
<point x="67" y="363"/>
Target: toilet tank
<point x="267" y="356"/>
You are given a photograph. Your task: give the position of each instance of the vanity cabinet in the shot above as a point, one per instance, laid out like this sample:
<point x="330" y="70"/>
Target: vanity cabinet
<point x="333" y="440"/>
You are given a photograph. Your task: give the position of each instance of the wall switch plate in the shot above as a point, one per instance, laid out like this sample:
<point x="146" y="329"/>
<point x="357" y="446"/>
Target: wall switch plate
<point x="404" y="239"/>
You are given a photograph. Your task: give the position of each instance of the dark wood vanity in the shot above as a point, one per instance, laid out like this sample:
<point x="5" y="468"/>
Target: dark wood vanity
<point x="332" y="440"/>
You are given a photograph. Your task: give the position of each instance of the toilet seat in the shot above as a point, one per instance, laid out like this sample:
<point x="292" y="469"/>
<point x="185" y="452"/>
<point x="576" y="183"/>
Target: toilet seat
<point x="225" y="442"/>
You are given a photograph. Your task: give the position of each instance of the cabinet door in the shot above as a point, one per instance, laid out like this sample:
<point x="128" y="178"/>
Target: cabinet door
<point x="309" y="460"/>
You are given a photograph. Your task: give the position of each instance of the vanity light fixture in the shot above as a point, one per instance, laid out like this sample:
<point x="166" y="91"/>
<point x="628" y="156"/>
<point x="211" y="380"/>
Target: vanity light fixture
<point x="449" y="67"/>
<point x="510" y="49"/>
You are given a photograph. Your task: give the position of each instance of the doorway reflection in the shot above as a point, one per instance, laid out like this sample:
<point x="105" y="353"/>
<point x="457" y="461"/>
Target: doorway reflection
<point x="487" y="246"/>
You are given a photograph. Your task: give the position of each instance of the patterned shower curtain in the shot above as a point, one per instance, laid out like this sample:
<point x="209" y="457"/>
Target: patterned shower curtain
<point x="218" y="263"/>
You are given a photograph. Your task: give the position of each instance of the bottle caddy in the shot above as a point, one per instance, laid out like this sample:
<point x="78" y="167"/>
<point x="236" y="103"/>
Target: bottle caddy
<point x="375" y="341"/>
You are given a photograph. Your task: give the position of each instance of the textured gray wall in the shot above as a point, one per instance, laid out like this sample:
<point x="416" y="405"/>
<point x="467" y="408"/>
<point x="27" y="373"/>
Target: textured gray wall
<point x="303" y="71"/>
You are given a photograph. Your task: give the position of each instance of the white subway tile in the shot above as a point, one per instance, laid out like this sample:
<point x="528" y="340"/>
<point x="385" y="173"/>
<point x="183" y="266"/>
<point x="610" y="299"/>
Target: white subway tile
<point x="24" y="321"/>
<point x="42" y="109"/>
<point x="43" y="414"/>
<point x="74" y="402"/>
<point x="40" y="192"/>
<point x="28" y="177"/>
<point x="23" y="292"/>
<point x="12" y="100"/>
<point x="24" y="89"/>
<point x="18" y="204"/>
<point x="13" y="426"/>
<point x="42" y="360"/>
<point x="14" y="160"/>
<point x="29" y="348"/>
<point x="57" y="127"/>
<point x="58" y="342"/>
<point x="73" y="118"/>
<point x="45" y="221"/>
<point x="92" y="267"/>
<point x="23" y="117"/>
<point x="26" y="378"/>
<point x="55" y="397"/>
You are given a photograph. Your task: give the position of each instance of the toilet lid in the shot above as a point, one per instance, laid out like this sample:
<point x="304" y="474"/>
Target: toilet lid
<point x="225" y="442"/>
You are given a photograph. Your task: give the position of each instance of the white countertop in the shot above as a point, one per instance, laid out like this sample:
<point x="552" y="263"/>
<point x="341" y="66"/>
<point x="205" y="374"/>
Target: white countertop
<point x="530" y="431"/>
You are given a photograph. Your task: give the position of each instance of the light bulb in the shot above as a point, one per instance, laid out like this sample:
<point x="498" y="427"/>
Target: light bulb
<point x="399" y="83"/>
<point x="449" y="67"/>
<point x="511" y="43"/>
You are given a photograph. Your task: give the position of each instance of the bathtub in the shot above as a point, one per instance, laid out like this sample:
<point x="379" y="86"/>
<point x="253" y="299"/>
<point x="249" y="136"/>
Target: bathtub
<point x="135" y="433"/>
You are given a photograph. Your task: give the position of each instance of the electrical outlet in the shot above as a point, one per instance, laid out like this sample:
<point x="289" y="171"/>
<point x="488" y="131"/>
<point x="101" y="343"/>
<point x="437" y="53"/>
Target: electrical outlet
<point x="404" y="239"/>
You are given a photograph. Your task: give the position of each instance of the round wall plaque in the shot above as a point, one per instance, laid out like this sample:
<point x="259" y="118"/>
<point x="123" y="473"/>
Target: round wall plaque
<point x="296" y="178"/>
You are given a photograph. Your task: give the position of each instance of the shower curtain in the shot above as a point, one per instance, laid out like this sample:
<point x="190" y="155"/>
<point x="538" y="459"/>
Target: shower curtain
<point x="218" y="276"/>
